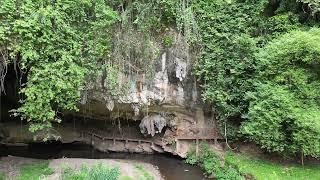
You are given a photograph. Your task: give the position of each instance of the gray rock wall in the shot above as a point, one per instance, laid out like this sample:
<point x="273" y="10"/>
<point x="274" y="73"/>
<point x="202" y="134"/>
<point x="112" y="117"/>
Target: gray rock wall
<point x="164" y="104"/>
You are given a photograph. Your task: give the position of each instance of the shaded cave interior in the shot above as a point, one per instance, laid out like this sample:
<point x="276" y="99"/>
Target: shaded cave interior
<point x="109" y="126"/>
<point x="121" y="122"/>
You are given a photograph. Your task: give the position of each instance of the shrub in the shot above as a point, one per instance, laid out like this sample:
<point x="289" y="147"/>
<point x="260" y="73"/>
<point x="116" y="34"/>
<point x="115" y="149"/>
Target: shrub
<point x="96" y="172"/>
<point x="212" y="164"/>
<point x="284" y="110"/>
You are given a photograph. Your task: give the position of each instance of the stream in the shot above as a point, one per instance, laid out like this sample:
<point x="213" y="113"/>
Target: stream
<point x="171" y="167"/>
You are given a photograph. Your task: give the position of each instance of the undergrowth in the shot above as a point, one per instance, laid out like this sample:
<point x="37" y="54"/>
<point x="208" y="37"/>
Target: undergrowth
<point x="96" y="172"/>
<point x="35" y="171"/>
<point x="212" y="165"/>
<point x="243" y="166"/>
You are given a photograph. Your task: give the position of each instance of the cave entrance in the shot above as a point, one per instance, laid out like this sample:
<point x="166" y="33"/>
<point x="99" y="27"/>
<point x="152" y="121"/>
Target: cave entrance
<point x="118" y="127"/>
<point x="9" y="97"/>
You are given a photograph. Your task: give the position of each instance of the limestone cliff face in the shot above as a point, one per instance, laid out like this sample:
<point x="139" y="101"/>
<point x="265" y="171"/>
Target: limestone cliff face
<point x="171" y="88"/>
<point x="164" y="103"/>
<point x="164" y="107"/>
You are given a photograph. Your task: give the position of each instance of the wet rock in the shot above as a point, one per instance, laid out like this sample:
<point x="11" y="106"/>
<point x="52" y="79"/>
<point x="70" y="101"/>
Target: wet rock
<point x="152" y="124"/>
<point x="157" y="148"/>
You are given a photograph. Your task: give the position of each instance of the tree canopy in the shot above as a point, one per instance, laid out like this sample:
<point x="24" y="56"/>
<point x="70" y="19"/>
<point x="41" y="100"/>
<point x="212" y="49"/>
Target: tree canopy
<point x="259" y="68"/>
<point x="56" y="43"/>
<point x="284" y="109"/>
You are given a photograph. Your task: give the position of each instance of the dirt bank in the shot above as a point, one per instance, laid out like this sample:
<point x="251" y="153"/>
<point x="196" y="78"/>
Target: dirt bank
<point x="11" y="166"/>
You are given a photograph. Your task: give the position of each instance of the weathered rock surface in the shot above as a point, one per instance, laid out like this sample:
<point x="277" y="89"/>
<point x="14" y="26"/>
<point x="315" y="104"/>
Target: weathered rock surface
<point x="163" y="104"/>
<point x="171" y="88"/>
<point x="152" y="124"/>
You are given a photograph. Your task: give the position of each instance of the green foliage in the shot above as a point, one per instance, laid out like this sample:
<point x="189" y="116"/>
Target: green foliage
<point x="35" y="171"/>
<point x="62" y="44"/>
<point x="235" y="61"/>
<point x="212" y="164"/>
<point x="134" y="43"/>
<point x="227" y="59"/>
<point x="126" y="178"/>
<point x="147" y="16"/>
<point x="284" y="110"/>
<point x="313" y="5"/>
<point x="270" y="28"/>
<point x="96" y="172"/>
<point x="168" y="41"/>
<point x="192" y="158"/>
<point x="307" y="10"/>
<point x="57" y="43"/>
<point x="266" y="170"/>
<point x="2" y="176"/>
<point x="252" y="73"/>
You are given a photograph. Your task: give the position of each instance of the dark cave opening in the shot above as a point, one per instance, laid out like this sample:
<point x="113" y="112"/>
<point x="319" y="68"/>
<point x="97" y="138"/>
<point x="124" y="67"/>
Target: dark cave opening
<point x="10" y="97"/>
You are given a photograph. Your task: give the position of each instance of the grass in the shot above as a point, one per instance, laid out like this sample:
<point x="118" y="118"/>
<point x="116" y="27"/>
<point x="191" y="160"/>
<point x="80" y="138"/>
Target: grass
<point x="144" y="174"/>
<point x="265" y="170"/>
<point x="2" y="176"/>
<point x="35" y="171"/>
<point x="96" y="172"/>
<point x="126" y="178"/>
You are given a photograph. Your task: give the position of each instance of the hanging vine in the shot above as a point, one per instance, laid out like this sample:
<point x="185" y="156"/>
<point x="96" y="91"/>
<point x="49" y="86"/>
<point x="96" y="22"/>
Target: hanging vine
<point x="3" y="71"/>
<point x="65" y="45"/>
<point x="59" y="42"/>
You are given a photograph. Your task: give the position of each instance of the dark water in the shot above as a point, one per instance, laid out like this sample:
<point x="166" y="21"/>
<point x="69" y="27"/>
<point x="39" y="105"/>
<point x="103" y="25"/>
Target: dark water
<point x="172" y="168"/>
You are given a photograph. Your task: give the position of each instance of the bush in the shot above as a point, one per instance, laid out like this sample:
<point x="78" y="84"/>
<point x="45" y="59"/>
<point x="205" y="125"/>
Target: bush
<point x="97" y="172"/>
<point x="284" y="111"/>
<point x="212" y="164"/>
<point x="232" y="33"/>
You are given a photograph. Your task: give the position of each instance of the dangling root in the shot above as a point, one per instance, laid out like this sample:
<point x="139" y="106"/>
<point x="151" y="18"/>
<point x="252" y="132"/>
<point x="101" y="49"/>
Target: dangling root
<point x="226" y="138"/>
<point x="3" y="71"/>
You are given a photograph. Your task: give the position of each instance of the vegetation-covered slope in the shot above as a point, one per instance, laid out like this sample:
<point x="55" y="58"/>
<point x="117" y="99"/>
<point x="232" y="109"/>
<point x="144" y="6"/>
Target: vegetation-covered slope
<point x="259" y="68"/>
<point x="258" y="59"/>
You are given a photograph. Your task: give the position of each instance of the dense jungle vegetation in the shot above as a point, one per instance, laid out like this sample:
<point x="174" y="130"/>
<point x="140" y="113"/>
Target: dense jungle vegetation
<point x="258" y="59"/>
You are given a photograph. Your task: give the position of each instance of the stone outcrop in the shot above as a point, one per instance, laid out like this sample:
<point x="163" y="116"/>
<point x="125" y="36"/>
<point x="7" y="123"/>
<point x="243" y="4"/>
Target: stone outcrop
<point x="163" y="104"/>
<point x="171" y="88"/>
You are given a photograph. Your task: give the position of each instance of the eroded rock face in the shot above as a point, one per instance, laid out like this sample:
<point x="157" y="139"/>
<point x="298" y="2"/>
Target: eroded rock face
<point x="165" y="104"/>
<point x="171" y="86"/>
